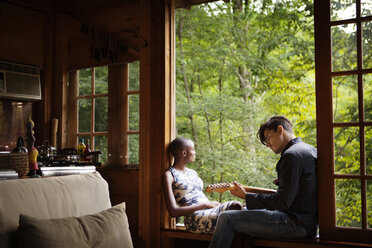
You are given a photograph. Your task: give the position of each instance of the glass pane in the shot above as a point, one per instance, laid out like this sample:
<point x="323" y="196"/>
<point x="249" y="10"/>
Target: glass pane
<point x="344" y="49"/>
<point x="366" y="7"/>
<point x="101" y="80"/>
<point x="133" y="149"/>
<point x="367" y="94"/>
<point x="342" y="10"/>
<point x="345" y="99"/>
<point x="346" y="141"/>
<point x="368" y="149"/>
<point x="134" y="112"/>
<point x="100" y="144"/>
<point x="84" y="115"/>
<point x="369" y="203"/>
<point x="367" y="44"/>
<point x="348" y="203"/>
<point x="85" y="82"/>
<point x="100" y="114"/>
<point x="134" y="76"/>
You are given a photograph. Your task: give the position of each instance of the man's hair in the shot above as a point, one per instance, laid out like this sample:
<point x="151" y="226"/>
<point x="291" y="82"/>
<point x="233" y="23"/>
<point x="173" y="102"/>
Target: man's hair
<point x="176" y="146"/>
<point x="272" y="124"/>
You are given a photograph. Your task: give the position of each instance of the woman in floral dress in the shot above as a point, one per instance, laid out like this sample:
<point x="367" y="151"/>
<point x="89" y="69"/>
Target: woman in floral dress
<point x="183" y="191"/>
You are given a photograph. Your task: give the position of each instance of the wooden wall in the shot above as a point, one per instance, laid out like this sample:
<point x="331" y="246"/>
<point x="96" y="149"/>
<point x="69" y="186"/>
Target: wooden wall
<point x="123" y="186"/>
<point x="49" y="36"/>
<point x="25" y="39"/>
<point x="22" y="32"/>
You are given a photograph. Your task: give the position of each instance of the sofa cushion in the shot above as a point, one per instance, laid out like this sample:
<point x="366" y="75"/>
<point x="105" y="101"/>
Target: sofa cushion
<point x="108" y="228"/>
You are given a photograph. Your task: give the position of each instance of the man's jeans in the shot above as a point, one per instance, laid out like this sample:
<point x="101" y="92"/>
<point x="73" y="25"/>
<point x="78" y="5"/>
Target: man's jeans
<point x="260" y="223"/>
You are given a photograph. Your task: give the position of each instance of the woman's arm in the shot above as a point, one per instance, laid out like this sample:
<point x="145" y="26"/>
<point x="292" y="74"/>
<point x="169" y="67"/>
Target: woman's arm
<point x="170" y="201"/>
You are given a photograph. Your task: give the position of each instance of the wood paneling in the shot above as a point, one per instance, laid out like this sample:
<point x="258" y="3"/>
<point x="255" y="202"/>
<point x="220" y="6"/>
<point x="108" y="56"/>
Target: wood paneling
<point x="59" y="102"/>
<point x="117" y="115"/>
<point x="89" y="5"/>
<point x="170" y="95"/>
<point x="79" y="55"/>
<point x="35" y="5"/>
<point x="72" y="109"/>
<point x="123" y="187"/>
<point x="144" y="230"/>
<point x="157" y="61"/>
<point x="111" y="18"/>
<point x="187" y="4"/>
<point x="22" y="35"/>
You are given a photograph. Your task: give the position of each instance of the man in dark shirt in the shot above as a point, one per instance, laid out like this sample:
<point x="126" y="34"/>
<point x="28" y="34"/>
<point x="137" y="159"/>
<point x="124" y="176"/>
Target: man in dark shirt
<point x="290" y="212"/>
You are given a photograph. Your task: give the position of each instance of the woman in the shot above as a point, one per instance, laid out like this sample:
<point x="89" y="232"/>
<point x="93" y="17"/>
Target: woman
<point x="183" y="191"/>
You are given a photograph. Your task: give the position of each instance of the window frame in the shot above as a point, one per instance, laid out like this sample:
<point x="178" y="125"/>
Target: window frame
<point x="328" y="230"/>
<point x="129" y="131"/>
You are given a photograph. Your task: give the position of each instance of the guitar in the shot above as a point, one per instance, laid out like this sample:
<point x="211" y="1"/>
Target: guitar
<point x="222" y="187"/>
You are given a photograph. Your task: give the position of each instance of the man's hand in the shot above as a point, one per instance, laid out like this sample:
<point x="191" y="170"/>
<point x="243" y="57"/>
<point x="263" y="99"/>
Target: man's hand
<point x="276" y="181"/>
<point x="238" y="191"/>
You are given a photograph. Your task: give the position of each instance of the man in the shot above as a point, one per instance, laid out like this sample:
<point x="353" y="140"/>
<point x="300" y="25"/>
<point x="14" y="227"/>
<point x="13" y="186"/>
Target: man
<point x="290" y="212"/>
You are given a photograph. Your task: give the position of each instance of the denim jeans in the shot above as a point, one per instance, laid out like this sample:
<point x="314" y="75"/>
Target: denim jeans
<point x="260" y="223"/>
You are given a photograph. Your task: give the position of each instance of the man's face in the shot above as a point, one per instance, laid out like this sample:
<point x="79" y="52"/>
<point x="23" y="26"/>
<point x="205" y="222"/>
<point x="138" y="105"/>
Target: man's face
<point x="275" y="139"/>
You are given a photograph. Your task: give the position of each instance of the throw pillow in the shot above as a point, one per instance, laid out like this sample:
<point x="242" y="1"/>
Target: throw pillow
<point x="108" y="228"/>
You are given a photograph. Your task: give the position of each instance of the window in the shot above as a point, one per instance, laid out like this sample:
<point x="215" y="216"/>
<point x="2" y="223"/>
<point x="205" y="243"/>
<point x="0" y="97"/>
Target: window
<point x="344" y="104"/>
<point x="92" y="102"/>
<point x="92" y="105"/>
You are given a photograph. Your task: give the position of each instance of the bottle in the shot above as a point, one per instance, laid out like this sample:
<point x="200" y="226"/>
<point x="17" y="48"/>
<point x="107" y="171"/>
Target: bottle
<point x="80" y="150"/>
<point x="20" y="148"/>
<point x="86" y="153"/>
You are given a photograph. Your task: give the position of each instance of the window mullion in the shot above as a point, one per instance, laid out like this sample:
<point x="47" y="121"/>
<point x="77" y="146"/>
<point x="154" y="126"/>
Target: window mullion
<point x="361" y="116"/>
<point x="92" y="110"/>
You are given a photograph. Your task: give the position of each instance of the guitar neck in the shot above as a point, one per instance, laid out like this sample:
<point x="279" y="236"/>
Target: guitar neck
<point x="251" y="189"/>
<point x="222" y="187"/>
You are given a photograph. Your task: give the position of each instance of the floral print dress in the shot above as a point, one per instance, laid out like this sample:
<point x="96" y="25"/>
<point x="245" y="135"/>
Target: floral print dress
<point x="188" y="190"/>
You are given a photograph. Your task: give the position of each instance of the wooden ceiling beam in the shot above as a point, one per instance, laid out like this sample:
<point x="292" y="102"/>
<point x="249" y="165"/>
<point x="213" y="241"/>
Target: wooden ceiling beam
<point x="109" y="19"/>
<point x="73" y="6"/>
<point x="186" y="4"/>
<point x="36" y="5"/>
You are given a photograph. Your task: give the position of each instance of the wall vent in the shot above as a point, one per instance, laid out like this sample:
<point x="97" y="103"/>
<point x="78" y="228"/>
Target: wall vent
<point x="19" y="82"/>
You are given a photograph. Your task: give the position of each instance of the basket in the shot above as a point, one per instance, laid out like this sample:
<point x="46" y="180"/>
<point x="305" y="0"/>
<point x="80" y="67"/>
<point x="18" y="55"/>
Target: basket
<point x="15" y="161"/>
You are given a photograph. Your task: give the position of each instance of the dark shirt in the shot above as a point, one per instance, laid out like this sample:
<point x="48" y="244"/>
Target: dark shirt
<point x="297" y="194"/>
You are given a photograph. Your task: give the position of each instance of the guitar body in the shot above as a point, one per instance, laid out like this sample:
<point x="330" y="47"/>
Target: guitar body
<point x="222" y="187"/>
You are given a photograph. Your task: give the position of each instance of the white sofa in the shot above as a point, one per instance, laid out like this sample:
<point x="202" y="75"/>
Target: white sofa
<point x="66" y="211"/>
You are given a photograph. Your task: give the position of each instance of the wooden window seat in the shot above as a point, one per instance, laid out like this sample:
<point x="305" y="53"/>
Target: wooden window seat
<point x="179" y="238"/>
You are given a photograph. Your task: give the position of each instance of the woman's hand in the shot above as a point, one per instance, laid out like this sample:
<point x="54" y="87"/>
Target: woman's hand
<point x="238" y="190"/>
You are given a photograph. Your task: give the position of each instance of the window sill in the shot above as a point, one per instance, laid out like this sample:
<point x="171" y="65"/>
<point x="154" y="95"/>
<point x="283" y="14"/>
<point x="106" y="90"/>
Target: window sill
<point x="242" y="240"/>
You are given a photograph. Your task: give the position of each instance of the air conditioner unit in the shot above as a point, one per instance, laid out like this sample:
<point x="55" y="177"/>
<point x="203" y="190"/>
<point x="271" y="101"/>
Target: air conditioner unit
<point x="19" y="82"/>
